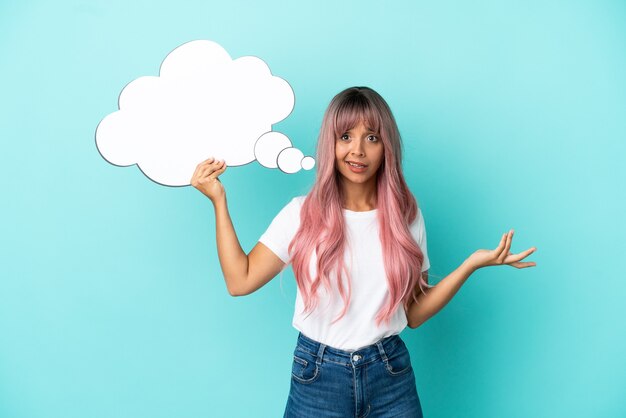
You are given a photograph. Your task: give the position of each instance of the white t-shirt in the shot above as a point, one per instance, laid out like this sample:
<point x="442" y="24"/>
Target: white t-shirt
<point x="364" y="259"/>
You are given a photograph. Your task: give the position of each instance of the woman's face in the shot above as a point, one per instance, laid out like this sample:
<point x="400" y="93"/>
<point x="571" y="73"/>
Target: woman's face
<point x="359" y="153"/>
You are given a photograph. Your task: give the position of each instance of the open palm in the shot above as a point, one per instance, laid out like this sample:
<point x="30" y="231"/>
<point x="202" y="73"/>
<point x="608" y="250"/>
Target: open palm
<point x="501" y="255"/>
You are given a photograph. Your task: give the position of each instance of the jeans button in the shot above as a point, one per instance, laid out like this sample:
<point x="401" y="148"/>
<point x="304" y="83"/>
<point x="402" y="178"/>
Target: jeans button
<point x="356" y="357"/>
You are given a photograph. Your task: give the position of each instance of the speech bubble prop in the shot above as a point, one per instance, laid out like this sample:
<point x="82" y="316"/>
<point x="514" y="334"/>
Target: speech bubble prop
<point x="203" y="104"/>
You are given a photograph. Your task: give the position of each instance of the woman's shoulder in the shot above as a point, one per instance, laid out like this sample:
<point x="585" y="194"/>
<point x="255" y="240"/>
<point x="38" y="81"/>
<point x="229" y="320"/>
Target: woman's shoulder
<point x="294" y="205"/>
<point x="419" y="219"/>
<point x="297" y="201"/>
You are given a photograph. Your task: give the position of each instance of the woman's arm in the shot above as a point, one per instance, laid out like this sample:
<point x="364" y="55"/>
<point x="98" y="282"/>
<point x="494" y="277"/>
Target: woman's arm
<point x="438" y="296"/>
<point x="233" y="259"/>
<point x="243" y="273"/>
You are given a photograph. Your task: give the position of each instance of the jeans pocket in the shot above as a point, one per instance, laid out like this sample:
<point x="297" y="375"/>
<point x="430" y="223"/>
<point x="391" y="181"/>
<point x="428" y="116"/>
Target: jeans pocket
<point x="304" y="368"/>
<point x="398" y="360"/>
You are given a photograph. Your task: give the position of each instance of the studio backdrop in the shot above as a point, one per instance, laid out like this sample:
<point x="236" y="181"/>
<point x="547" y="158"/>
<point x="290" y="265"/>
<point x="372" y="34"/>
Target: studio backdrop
<point x="112" y="299"/>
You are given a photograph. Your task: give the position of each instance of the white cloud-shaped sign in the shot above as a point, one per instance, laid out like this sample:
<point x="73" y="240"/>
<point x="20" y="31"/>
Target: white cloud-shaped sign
<point x="203" y="104"/>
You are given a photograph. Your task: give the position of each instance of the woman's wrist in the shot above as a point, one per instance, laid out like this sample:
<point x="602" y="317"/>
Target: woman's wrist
<point x="219" y="201"/>
<point x="468" y="266"/>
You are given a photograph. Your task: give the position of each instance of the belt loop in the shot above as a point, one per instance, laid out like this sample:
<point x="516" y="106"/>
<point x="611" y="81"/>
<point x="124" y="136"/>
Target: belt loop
<point x="382" y="350"/>
<point x="320" y="354"/>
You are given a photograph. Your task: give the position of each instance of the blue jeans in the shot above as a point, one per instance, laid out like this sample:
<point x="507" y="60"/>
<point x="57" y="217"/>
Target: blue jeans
<point x="376" y="381"/>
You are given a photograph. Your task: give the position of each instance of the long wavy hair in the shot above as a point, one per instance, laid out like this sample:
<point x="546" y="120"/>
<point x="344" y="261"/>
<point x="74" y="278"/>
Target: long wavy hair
<point x="322" y="225"/>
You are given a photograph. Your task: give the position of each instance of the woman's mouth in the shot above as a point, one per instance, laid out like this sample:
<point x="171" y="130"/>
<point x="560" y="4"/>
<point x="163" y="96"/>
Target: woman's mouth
<point x="356" y="168"/>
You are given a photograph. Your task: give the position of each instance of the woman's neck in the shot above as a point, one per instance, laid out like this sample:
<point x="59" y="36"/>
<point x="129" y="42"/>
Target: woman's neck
<point x="359" y="197"/>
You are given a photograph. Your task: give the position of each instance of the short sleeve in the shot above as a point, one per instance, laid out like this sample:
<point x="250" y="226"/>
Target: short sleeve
<point x="418" y="230"/>
<point x="282" y="229"/>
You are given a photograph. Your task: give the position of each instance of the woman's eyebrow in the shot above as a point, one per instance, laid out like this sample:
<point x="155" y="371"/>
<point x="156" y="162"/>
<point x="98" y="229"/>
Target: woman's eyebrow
<point x="368" y="131"/>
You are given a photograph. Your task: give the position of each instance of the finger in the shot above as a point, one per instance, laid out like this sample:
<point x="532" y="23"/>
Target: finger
<point x="204" y="171"/>
<point x="520" y="256"/>
<point x="205" y="163"/>
<point x="201" y="168"/>
<point x="500" y="246"/>
<point x="209" y="168"/>
<point x="495" y="253"/>
<point x="507" y="247"/>
<point x="523" y="265"/>
<point x="219" y="169"/>
<point x="197" y="173"/>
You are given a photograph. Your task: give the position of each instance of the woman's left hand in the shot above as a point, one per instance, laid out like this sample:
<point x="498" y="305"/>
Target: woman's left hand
<point x="501" y="255"/>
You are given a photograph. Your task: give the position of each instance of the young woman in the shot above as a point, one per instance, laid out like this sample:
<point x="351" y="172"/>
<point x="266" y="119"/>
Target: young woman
<point x="357" y="245"/>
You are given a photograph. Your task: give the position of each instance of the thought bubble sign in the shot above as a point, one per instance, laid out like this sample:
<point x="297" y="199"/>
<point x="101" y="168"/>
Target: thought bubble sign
<point x="203" y="104"/>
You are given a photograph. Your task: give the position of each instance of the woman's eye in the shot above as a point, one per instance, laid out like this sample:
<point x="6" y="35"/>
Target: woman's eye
<point x="373" y="138"/>
<point x="345" y="137"/>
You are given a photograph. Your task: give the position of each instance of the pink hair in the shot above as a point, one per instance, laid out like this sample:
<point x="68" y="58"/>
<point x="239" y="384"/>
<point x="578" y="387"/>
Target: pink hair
<point x="322" y="223"/>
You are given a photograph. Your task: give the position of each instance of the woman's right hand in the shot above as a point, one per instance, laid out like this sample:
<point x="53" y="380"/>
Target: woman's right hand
<point x="205" y="178"/>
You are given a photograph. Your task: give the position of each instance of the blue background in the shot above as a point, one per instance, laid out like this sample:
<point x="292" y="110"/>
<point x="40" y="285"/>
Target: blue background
<point x="112" y="301"/>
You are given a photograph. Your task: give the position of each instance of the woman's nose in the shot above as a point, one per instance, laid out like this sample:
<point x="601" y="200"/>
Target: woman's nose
<point x="357" y="148"/>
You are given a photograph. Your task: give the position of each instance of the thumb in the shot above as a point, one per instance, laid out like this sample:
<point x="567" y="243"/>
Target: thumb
<point x="219" y="172"/>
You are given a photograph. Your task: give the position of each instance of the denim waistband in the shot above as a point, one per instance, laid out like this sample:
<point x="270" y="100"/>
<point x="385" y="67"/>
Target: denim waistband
<point x="363" y="355"/>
